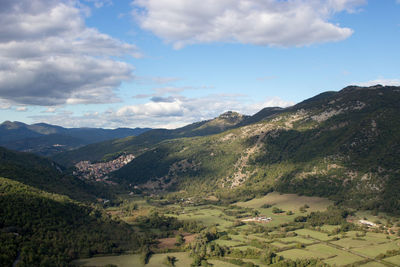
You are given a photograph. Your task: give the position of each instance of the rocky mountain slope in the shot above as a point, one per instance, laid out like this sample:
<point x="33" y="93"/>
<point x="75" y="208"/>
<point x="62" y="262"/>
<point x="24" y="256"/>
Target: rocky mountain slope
<point x="344" y="145"/>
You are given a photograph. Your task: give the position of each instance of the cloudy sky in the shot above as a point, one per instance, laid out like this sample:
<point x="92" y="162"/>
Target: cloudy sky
<point x="167" y="63"/>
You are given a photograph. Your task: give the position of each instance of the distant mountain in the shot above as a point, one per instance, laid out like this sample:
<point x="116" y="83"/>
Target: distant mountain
<point x="45" y="139"/>
<point x="343" y="145"/>
<point x="138" y="144"/>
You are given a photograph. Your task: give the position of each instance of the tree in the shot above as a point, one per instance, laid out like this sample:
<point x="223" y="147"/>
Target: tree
<point x="180" y="240"/>
<point x="170" y="261"/>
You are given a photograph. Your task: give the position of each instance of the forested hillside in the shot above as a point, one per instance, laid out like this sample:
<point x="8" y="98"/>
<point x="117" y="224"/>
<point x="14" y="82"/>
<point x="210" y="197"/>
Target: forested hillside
<point x="45" y="174"/>
<point x="44" y="229"/>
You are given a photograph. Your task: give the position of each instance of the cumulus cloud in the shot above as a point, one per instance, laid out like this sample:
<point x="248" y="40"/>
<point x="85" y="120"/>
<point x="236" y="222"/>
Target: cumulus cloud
<point x="388" y="82"/>
<point x="49" y="57"/>
<point x="164" y="112"/>
<point x="4" y="104"/>
<point x="259" y="22"/>
<point x="100" y="3"/>
<point x="22" y="109"/>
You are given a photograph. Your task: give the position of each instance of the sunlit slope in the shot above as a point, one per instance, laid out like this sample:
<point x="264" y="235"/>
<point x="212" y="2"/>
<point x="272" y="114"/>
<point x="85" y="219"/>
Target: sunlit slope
<point x="344" y="145"/>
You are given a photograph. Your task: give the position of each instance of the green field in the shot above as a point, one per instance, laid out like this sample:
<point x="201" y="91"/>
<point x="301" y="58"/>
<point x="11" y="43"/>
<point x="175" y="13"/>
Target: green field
<point x="296" y="239"/>
<point x="339" y="258"/>
<point x="302" y="254"/>
<point x="351" y="248"/>
<point x="207" y="215"/>
<point x="133" y="260"/>
<point x="369" y="240"/>
<point x="229" y="243"/>
<point x="394" y="260"/>
<point x="373" y="251"/>
<point x="287" y="202"/>
<point x="313" y="234"/>
<point x="373" y="264"/>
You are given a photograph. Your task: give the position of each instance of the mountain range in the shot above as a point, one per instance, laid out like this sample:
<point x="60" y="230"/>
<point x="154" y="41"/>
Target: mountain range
<point x="45" y="139"/>
<point x="343" y="145"/>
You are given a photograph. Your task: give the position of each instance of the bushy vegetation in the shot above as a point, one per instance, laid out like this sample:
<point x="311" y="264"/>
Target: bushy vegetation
<point x="48" y="229"/>
<point x="44" y="174"/>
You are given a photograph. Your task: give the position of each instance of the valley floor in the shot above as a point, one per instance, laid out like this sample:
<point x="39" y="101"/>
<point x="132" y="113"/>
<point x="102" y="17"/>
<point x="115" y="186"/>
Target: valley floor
<point x="246" y="242"/>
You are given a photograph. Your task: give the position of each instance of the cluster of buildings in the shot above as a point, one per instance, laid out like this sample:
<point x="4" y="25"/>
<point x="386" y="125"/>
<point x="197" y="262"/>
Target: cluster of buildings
<point x="99" y="171"/>
<point x="260" y="219"/>
<point x="367" y="223"/>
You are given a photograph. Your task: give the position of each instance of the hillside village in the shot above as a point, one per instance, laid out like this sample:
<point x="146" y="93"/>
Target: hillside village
<point x="98" y="171"/>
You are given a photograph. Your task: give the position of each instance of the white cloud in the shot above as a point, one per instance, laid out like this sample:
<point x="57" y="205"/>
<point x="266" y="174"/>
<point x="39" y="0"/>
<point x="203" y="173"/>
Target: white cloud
<point x="4" y="104"/>
<point x="22" y="109"/>
<point x="100" y="3"/>
<point x="270" y="102"/>
<point x="154" y="109"/>
<point x="49" y="57"/>
<point x="259" y="22"/>
<point x="164" y="112"/>
<point x="387" y="82"/>
<point x="50" y="110"/>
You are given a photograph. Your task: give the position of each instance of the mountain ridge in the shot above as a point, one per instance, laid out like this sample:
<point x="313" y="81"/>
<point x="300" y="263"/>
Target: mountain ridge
<point x="46" y="139"/>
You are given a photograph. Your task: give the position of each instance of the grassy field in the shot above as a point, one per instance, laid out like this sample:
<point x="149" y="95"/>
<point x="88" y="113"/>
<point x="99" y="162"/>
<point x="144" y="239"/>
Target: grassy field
<point x="296" y="239"/>
<point x="373" y="251"/>
<point x="206" y="215"/>
<point x="133" y="260"/>
<point x="301" y="254"/>
<point x="313" y="234"/>
<point x="287" y="202"/>
<point x="369" y="240"/>
<point x="352" y="247"/>
<point x="339" y="258"/>
<point x="373" y="264"/>
<point x="394" y="260"/>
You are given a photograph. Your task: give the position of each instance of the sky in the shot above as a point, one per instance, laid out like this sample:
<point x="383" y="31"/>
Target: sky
<point x="168" y="63"/>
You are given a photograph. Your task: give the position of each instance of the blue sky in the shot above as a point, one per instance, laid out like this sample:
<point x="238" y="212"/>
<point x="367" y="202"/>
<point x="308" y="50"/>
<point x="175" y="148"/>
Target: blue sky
<point x="167" y="63"/>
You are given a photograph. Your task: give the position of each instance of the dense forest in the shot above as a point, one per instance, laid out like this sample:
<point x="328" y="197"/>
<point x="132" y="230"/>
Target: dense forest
<point x="45" y="229"/>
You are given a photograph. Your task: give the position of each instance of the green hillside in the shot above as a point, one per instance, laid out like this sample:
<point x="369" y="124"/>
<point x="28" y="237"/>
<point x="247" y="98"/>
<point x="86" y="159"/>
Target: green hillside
<point x="137" y="145"/>
<point x="44" y="229"/>
<point x="46" y="175"/>
<point x="344" y="145"/>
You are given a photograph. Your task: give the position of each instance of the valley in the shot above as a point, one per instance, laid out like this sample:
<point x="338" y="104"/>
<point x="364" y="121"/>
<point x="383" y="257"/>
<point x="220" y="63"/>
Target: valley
<point x="314" y="184"/>
<point x="338" y="243"/>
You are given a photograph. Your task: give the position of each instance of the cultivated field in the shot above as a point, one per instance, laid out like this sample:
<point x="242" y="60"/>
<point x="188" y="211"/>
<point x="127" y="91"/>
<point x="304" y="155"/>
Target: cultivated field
<point x="347" y="248"/>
